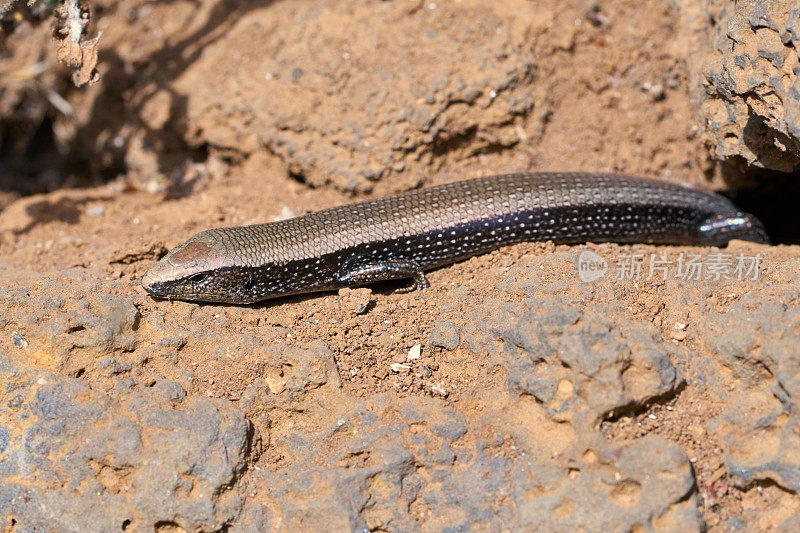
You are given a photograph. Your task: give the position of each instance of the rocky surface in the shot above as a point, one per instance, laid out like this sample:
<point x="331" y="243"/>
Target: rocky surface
<point x="767" y="412"/>
<point x="509" y="395"/>
<point x="544" y="405"/>
<point x="74" y="457"/>
<point x="66" y="329"/>
<point x="450" y="99"/>
<point x="751" y="100"/>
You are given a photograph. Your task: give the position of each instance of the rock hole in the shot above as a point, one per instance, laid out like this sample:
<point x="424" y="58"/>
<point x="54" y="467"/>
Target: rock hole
<point x="167" y="526"/>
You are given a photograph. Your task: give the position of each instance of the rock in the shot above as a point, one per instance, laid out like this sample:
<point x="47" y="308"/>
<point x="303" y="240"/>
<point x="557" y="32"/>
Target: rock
<point x="78" y="459"/>
<point x="414" y="353"/>
<point x="445" y="335"/>
<point x="468" y="103"/>
<point x="355" y="301"/>
<point x="602" y="366"/>
<point x="399" y="367"/>
<point x="385" y="475"/>
<point x="177" y="342"/>
<point x="65" y="320"/>
<point x="310" y="367"/>
<point x="751" y="91"/>
<point x="760" y="425"/>
<point x="641" y="483"/>
<point x="19" y="341"/>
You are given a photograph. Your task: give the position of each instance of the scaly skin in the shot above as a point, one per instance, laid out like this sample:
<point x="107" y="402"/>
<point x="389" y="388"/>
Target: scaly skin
<point x="401" y="236"/>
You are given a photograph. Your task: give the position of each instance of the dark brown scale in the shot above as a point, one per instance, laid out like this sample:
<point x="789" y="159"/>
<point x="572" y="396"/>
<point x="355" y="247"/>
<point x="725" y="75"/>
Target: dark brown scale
<point x="402" y="236"/>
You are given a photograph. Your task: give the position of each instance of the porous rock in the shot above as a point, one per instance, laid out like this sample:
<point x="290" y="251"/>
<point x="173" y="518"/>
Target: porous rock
<point x="73" y="458"/>
<point x="750" y="98"/>
<point x="67" y="318"/>
<point x="760" y="333"/>
<point x="453" y="98"/>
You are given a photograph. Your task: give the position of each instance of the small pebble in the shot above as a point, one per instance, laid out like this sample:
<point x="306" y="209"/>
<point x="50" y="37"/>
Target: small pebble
<point x="445" y="335"/>
<point x="415" y="352"/>
<point x="175" y="341"/>
<point x="286" y="213"/>
<point x="19" y="340"/>
<point x="275" y="385"/>
<point x="399" y="367"/>
<point x="678" y="335"/>
<point x="355" y="301"/>
<point x="438" y="389"/>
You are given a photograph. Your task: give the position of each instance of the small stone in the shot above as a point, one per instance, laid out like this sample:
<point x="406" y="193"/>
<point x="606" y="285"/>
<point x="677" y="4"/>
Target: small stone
<point x="445" y="335"/>
<point x="170" y="390"/>
<point x="656" y="91"/>
<point x="175" y="341"/>
<point x="19" y="340"/>
<point x="356" y="301"/>
<point x="276" y="385"/>
<point x="438" y="389"/>
<point x="399" y="367"/>
<point x="678" y="335"/>
<point x="286" y="213"/>
<point x="415" y="352"/>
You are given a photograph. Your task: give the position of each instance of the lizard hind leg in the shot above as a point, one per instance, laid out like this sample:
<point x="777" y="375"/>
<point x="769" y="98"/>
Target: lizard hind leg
<point x="375" y="271"/>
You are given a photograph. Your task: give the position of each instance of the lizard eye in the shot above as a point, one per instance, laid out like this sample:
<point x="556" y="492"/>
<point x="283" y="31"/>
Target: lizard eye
<point x="198" y="277"/>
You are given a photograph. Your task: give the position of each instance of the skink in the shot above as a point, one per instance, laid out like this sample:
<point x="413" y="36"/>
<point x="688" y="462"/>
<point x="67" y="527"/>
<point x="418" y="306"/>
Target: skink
<point x="404" y="235"/>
